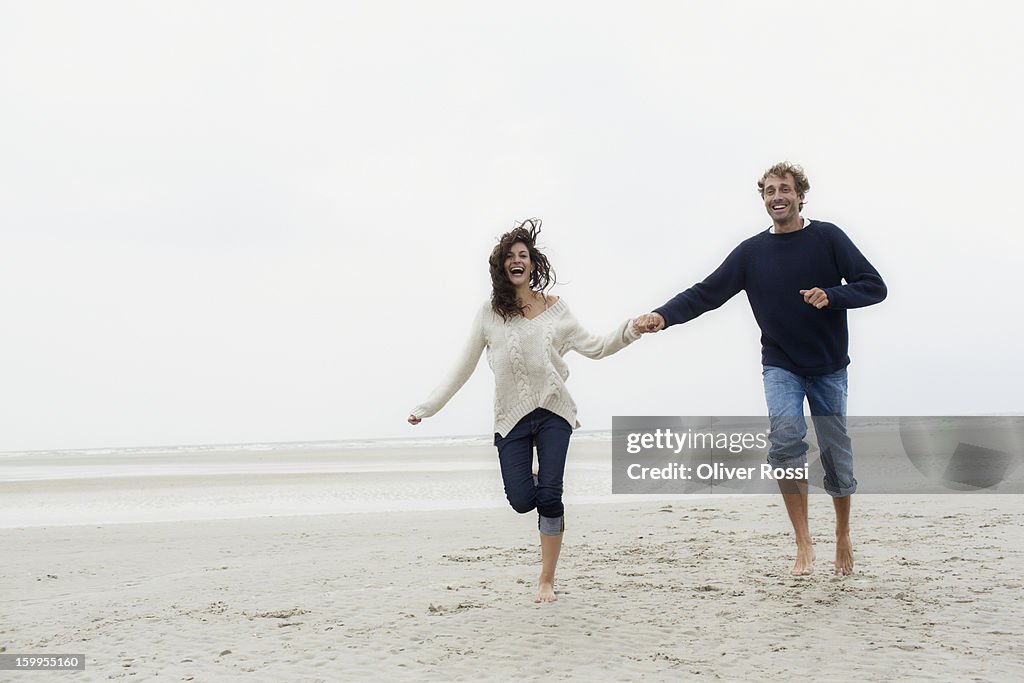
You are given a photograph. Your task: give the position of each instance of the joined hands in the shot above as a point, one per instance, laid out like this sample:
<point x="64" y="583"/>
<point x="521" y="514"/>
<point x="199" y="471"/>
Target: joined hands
<point x="648" y="323"/>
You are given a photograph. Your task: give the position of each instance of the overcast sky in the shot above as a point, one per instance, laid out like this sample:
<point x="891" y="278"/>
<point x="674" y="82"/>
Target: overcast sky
<point x="227" y="222"/>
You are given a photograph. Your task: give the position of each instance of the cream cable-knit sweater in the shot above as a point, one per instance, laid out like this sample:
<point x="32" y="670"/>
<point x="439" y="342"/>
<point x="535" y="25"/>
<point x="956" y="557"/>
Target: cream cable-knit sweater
<point x="526" y="358"/>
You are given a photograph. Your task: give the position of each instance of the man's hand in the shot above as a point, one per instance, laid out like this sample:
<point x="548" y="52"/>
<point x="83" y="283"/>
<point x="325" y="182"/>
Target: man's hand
<point x="815" y="297"/>
<point x="413" y="420"/>
<point x="648" y="323"/>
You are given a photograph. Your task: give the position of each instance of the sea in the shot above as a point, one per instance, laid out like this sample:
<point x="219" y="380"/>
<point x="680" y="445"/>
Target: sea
<point x="231" y="481"/>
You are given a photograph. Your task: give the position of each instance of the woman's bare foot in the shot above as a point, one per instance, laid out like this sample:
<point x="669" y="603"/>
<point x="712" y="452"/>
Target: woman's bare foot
<point x="550" y="548"/>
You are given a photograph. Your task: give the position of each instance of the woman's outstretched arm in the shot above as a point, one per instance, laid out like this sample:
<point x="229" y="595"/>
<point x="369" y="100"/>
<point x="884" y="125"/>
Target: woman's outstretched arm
<point x="461" y="371"/>
<point x="598" y="346"/>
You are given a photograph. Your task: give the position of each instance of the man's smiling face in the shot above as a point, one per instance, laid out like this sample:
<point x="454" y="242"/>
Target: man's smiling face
<point x="781" y="199"/>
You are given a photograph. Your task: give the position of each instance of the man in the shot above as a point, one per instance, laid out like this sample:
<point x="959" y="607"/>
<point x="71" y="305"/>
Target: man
<point x="793" y="275"/>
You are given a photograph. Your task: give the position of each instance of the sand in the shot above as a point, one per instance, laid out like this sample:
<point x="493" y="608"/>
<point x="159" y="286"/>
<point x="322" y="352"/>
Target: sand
<point x="697" y="590"/>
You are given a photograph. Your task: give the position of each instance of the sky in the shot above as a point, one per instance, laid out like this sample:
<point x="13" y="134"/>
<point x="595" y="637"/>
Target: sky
<point x="269" y="221"/>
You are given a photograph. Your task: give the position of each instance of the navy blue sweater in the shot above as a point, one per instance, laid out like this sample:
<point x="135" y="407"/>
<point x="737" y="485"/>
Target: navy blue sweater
<point x="772" y="269"/>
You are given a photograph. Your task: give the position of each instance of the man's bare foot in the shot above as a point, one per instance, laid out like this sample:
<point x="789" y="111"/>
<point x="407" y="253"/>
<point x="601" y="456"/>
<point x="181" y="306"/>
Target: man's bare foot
<point x="546" y="592"/>
<point x="844" y="556"/>
<point x="804" y="565"/>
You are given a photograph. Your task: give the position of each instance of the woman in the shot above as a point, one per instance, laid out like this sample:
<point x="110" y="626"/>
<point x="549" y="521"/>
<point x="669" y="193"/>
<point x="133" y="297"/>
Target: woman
<point x="526" y="332"/>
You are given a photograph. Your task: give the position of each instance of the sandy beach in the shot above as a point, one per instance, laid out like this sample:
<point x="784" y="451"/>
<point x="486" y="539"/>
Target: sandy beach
<point x="693" y="588"/>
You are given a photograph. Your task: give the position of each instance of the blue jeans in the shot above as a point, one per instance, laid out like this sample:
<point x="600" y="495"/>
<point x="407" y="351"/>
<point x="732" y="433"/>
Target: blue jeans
<point x="550" y="433"/>
<point x="784" y="392"/>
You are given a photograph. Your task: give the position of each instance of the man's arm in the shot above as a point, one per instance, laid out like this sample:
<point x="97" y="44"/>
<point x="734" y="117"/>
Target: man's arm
<point x="864" y="286"/>
<point x="723" y="284"/>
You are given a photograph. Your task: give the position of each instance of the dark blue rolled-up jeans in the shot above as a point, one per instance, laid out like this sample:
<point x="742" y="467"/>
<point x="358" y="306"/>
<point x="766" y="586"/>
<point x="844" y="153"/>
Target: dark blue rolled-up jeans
<point x="550" y="434"/>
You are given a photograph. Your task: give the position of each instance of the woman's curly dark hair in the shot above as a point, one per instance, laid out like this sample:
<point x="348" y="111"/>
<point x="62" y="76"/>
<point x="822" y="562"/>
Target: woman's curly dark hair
<point x="503" y="293"/>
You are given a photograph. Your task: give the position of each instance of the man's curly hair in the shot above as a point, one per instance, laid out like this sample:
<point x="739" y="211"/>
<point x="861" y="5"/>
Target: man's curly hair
<point x="779" y="170"/>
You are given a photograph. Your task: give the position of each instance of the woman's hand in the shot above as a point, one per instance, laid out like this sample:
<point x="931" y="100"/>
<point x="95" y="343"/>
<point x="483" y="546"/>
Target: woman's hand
<point x="413" y="420"/>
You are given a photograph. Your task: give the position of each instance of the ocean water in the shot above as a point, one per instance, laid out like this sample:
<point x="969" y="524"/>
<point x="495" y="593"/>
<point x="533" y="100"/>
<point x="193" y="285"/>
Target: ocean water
<point x="132" y="485"/>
